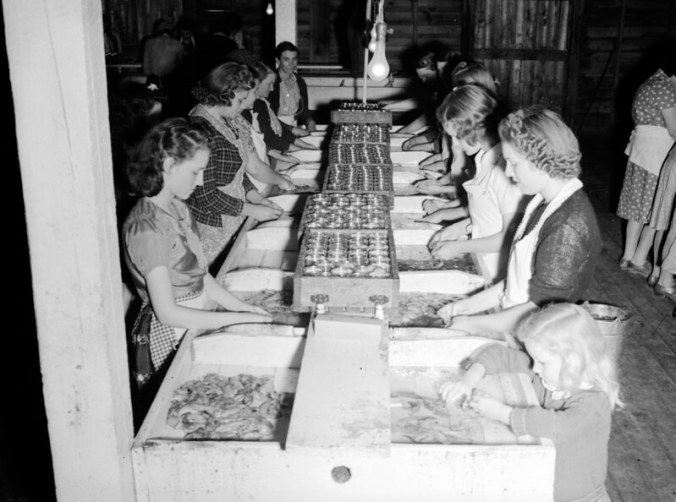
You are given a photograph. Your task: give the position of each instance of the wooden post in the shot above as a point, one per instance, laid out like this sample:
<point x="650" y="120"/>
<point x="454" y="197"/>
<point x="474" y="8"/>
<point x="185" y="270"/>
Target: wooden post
<point x="56" y="62"/>
<point x="285" y="21"/>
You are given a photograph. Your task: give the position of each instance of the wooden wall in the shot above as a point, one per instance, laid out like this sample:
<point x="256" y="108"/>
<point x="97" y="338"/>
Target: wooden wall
<point x="328" y="30"/>
<point x="621" y="42"/>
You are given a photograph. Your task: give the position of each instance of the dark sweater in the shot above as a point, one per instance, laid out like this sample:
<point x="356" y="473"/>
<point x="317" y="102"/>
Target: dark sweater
<point x="568" y="248"/>
<point x="579" y="425"/>
<point x="303" y="114"/>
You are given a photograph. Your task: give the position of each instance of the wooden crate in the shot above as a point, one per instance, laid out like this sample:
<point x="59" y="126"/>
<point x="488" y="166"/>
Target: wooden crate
<point x="361" y="117"/>
<point x="346" y="292"/>
<point x="168" y="468"/>
<point x="307" y="221"/>
<point x="390" y="184"/>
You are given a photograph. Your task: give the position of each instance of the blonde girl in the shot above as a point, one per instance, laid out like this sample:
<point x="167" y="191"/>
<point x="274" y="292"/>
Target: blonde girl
<point x="574" y="379"/>
<point x="470" y="116"/>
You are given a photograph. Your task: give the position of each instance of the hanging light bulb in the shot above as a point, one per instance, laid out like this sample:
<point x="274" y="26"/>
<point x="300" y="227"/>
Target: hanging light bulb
<point x="269" y="10"/>
<point x="373" y="42"/>
<point x="378" y="67"/>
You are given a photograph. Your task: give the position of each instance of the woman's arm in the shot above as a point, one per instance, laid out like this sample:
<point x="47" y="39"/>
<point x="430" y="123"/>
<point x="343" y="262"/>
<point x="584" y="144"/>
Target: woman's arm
<point x="415" y="126"/>
<point x="226" y="299"/>
<point x="263" y="172"/>
<point x="479" y="302"/>
<point x="168" y="312"/>
<point x="504" y="321"/>
<point x="489" y="244"/>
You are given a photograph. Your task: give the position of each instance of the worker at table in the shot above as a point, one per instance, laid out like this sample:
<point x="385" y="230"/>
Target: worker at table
<point x="557" y="243"/>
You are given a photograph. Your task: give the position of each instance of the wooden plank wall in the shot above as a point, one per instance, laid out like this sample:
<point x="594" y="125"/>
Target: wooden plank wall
<point x="524" y="43"/>
<point x="415" y="24"/>
<point x="618" y="49"/>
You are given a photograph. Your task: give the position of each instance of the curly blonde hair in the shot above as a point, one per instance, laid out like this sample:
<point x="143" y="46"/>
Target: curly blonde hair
<point x="545" y="139"/>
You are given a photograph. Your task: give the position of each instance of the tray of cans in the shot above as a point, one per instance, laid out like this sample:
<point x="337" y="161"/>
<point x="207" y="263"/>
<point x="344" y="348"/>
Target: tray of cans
<point x="346" y="211"/>
<point x="354" y="268"/>
<point x="360" y="178"/>
<point x="361" y="133"/>
<point x="359" y="153"/>
<point x="356" y="112"/>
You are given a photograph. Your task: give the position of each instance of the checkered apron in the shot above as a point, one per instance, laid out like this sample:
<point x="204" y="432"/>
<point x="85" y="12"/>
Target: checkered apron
<point x="161" y="340"/>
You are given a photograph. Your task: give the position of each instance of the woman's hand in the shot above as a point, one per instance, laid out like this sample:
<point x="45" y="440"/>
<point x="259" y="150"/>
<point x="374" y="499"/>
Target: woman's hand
<point x="257" y="310"/>
<point x="490" y="407"/>
<point x="446" y="250"/>
<point x="285" y="183"/>
<point x="452" y="232"/>
<point x="455" y="310"/>
<point x="436" y="217"/>
<point x="432" y="187"/>
<point x="263" y="212"/>
<point x="299" y="132"/>
<point x="433" y="163"/>
<point x="273" y="205"/>
<point x="432" y="205"/>
<point x="305" y="145"/>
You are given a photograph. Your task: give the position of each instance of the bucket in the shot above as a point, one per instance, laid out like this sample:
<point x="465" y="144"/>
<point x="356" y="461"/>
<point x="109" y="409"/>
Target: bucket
<point x="613" y="322"/>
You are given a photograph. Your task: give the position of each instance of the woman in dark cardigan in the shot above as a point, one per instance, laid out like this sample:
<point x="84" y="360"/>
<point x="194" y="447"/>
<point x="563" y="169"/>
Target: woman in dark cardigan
<point x="557" y="244"/>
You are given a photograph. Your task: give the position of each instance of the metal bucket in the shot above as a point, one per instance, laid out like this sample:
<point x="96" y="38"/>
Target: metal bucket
<point x="613" y="322"/>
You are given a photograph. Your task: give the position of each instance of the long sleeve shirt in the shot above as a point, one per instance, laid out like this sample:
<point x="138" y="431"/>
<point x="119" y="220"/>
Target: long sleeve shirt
<point x="578" y="424"/>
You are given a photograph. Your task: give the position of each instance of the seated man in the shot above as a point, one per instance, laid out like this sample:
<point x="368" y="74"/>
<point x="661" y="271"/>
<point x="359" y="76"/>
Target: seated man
<point x="289" y="99"/>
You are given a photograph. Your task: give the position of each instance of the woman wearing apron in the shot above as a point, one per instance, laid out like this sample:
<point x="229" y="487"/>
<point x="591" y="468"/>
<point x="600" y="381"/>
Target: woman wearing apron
<point x="227" y="195"/>
<point x="163" y="252"/>
<point x="470" y="117"/>
<point x="654" y="113"/>
<point x="558" y="241"/>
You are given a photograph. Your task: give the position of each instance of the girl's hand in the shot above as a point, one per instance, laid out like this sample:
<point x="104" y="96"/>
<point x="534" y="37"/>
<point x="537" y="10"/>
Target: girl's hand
<point x="447" y="250"/>
<point x="455" y="393"/>
<point x="490" y="407"/>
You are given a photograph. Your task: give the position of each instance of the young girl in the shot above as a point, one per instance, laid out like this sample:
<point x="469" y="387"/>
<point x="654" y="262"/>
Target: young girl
<point x="163" y="250"/>
<point x="574" y="379"/>
<point x="462" y="73"/>
<point x="469" y="116"/>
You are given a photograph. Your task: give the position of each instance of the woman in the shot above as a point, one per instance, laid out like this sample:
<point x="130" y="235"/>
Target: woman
<point x="470" y="115"/>
<point x="558" y="241"/>
<point x="163" y="252"/>
<point x="289" y="97"/>
<point x="663" y="220"/>
<point x="228" y="196"/>
<point x="654" y="115"/>
<point x="272" y="138"/>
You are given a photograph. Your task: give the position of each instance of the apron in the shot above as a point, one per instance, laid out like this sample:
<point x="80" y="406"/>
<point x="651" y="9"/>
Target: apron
<point x="482" y="208"/>
<point x="260" y="147"/>
<point x="229" y="224"/>
<point x="519" y="267"/>
<point x="648" y="147"/>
